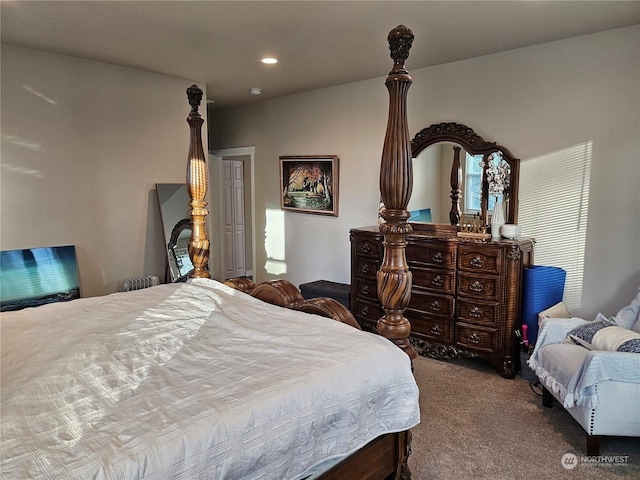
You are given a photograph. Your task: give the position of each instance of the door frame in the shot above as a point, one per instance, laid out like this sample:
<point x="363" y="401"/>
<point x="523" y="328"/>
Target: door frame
<point x="216" y="195"/>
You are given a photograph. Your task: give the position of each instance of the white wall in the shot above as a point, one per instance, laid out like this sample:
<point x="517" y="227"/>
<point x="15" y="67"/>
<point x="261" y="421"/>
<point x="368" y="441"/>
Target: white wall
<point x="534" y="101"/>
<point x="83" y="145"/>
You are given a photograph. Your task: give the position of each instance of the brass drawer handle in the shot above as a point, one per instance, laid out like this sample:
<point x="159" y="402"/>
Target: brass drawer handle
<point x="437" y="257"/>
<point x="437" y="281"/>
<point x="435" y="306"/>
<point x="365" y="289"/>
<point x="476" y="262"/>
<point x="473" y="338"/>
<point x="436" y="330"/>
<point x="364" y="311"/>
<point x="365" y="247"/>
<point x="476" y="286"/>
<point x="364" y="268"/>
<point x="475" y="312"/>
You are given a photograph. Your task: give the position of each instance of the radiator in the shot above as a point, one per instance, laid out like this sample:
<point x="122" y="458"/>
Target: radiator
<point x="138" y="283"/>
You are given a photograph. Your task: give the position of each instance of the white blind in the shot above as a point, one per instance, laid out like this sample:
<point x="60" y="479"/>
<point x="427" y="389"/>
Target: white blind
<point x="554" y="200"/>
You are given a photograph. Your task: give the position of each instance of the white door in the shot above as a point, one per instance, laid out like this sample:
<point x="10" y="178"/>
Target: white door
<point x="233" y="230"/>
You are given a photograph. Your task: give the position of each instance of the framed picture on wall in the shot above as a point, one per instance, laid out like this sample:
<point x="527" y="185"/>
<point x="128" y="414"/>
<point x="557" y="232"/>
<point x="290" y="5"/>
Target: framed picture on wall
<point x="309" y="184"/>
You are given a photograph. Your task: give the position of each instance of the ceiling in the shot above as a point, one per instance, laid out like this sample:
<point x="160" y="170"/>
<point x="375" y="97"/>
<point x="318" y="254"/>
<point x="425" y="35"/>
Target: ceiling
<point x="318" y="43"/>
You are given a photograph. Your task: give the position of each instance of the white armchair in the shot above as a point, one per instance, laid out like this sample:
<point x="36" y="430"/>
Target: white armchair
<point x="597" y="384"/>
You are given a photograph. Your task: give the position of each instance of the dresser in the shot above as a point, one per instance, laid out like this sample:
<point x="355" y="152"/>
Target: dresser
<point x="465" y="297"/>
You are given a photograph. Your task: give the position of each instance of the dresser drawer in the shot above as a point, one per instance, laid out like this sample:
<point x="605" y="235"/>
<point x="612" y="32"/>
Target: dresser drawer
<point x="368" y="311"/>
<point x="441" y="281"/>
<point x="477" y="338"/>
<point x="478" y="286"/>
<point x="477" y="312"/>
<point x="367" y="267"/>
<point x="368" y="247"/>
<point x="479" y="258"/>
<point x="366" y="288"/>
<point x="432" y="304"/>
<point x="431" y="254"/>
<point x="424" y="327"/>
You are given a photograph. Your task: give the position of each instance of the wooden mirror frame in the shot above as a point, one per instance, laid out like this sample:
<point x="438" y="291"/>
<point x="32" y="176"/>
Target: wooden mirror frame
<point x="475" y="145"/>
<point x="174" y="262"/>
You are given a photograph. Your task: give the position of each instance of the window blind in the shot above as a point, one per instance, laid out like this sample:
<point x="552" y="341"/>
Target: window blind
<point x="554" y="201"/>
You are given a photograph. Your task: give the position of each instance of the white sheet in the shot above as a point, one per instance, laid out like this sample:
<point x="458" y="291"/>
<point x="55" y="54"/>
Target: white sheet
<point x="188" y="381"/>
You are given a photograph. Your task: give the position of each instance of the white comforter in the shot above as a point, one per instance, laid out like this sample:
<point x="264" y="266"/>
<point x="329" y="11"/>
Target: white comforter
<point x="188" y="381"/>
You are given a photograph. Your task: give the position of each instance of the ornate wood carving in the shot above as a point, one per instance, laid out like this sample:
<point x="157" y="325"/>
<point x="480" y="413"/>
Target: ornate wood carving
<point x="329" y="307"/>
<point x="476" y="145"/>
<point x="241" y="283"/>
<point x="396" y="183"/>
<point x="197" y="184"/>
<point x="284" y="294"/>
<point x="440" y="351"/>
<point x="278" y="292"/>
<point x="439" y="132"/>
<point x="404" y="451"/>
<point x="456" y="179"/>
<point x="514" y="254"/>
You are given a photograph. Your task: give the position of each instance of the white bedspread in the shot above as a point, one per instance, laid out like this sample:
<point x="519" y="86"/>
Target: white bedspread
<point x="188" y="381"/>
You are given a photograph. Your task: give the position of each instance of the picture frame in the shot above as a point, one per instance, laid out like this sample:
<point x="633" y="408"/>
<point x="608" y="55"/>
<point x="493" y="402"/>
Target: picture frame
<point x="309" y="184"/>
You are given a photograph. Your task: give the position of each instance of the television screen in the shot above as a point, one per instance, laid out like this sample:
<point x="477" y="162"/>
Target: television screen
<point x="422" y="215"/>
<point x="35" y="276"/>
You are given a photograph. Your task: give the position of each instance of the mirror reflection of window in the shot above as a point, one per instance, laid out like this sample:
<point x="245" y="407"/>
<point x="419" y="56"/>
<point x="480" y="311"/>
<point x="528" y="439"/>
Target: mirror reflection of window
<point x="473" y="184"/>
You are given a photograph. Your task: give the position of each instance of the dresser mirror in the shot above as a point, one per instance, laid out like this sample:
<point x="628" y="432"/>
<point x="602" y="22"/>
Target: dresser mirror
<point x="173" y="199"/>
<point x="453" y="168"/>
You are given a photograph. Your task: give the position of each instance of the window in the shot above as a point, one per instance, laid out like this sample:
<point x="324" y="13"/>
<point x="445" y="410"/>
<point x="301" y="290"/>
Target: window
<point x="554" y="199"/>
<point x="472" y="183"/>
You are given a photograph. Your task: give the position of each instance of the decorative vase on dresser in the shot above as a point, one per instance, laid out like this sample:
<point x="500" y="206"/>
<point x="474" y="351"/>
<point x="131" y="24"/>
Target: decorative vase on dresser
<point x="497" y="220"/>
<point x="465" y="297"/>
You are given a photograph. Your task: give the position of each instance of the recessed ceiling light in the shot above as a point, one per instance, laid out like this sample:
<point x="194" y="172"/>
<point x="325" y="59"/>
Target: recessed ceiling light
<point x="255" y="91"/>
<point x="269" y="60"/>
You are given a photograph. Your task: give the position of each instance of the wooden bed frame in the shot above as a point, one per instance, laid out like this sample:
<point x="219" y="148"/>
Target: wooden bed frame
<point x="386" y="456"/>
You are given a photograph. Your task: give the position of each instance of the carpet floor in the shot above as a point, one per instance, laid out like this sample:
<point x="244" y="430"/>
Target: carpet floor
<point x="478" y="425"/>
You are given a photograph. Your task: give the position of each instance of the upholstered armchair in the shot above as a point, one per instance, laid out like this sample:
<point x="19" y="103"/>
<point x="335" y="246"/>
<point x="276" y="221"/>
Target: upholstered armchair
<point x="592" y="368"/>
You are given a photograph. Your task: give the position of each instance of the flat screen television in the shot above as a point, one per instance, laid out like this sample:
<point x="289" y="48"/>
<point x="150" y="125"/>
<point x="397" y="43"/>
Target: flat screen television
<point x="36" y="276"/>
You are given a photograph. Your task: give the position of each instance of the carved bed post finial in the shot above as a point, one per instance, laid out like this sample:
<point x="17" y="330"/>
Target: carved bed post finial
<point x="197" y="183"/>
<point x="194" y="94"/>
<point x="400" y="40"/>
<point x="396" y="183"/>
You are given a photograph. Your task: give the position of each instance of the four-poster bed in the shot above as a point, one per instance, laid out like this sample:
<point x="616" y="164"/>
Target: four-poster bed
<point x="215" y="380"/>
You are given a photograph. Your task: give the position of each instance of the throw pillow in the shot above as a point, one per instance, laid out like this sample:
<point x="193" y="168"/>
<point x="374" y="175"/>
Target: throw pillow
<point x="617" y="339"/>
<point x="605" y="335"/>
<point x="628" y="316"/>
<point x="586" y="332"/>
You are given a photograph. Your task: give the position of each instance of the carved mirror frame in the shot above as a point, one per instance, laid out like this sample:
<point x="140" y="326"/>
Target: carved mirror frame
<point x="475" y="145"/>
<point x="179" y="266"/>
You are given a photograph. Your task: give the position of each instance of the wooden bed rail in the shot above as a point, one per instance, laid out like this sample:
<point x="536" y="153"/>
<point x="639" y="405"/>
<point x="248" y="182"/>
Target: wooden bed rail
<point x="197" y="183"/>
<point x="396" y="183"/>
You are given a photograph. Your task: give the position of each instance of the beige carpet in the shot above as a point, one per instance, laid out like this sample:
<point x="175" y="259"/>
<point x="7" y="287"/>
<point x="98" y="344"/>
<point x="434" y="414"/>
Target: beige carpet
<point x="478" y="425"/>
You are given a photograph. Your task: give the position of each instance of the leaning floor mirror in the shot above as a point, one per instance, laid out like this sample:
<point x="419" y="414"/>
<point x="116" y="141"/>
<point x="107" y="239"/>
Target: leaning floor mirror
<point x="176" y="226"/>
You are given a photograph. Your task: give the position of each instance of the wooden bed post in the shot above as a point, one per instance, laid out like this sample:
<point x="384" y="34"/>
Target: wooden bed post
<point x="396" y="183"/>
<point x="455" y="214"/>
<point x="197" y="187"/>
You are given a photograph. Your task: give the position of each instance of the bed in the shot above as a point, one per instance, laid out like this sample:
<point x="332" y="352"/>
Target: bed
<point x="211" y="380"/>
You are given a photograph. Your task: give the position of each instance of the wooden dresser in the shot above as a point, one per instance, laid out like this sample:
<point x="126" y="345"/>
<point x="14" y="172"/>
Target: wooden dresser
<point x="465" y="298"/>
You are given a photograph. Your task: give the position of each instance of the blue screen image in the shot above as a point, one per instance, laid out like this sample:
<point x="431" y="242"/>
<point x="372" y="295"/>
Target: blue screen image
<point x="36" y="276"/>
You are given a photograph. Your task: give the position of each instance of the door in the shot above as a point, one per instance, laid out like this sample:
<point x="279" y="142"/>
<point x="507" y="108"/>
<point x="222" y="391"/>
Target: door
<point x="233" y="221"/>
